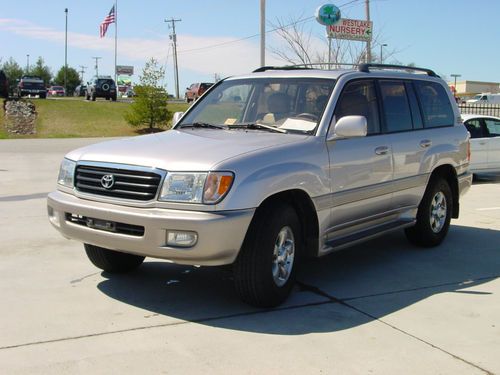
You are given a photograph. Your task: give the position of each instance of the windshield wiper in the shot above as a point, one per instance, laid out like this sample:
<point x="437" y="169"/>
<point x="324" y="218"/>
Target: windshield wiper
<point x="259" y="127"/>
<point x="203" y="125"/>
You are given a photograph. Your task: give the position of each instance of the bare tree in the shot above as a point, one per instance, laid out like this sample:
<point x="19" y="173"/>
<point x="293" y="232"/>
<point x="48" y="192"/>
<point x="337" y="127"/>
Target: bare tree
<point x="301" y="47"/>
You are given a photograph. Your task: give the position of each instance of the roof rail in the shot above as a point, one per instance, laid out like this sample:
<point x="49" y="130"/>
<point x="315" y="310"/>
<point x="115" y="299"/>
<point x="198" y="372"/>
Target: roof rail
<point x="287" y="67"/>
<point x="366" y="68"/>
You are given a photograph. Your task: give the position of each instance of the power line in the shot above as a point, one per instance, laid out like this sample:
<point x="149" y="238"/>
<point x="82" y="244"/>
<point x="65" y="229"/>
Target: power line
<point x="306" y="19"/>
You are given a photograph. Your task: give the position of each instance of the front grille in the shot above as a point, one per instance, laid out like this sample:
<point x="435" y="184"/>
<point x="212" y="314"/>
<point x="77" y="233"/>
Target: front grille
<point x="105" y="225"/>
<point x="128" y="184"/>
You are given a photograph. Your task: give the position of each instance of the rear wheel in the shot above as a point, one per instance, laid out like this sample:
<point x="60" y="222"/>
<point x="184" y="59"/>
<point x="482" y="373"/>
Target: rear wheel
<point x="112" y="261"/>
<point x="94" y="97"/>
<point x="433" y="216"/>
<point x="264" y="272"/>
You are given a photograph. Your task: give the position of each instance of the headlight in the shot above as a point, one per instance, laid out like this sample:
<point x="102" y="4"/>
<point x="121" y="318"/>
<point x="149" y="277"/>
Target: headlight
<point x="66" y="173"/>
<point x="203" y="187"/>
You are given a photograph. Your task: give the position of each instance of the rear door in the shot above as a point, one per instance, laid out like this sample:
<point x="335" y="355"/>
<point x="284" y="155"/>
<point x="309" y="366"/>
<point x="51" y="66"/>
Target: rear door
<point x="493" y="128"/>
<point x="419" y="118"/>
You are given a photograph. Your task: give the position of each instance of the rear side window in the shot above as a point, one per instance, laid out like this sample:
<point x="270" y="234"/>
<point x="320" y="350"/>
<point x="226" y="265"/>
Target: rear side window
<point x="436" y="107"/>
<point x="396" y="107"/>
<point x="359" y="99"/>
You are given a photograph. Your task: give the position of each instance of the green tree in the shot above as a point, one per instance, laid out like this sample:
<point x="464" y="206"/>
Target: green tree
<point x="73" y="79"/>
<point x="150" y="105"/>
<point x="13" y="71"/>
<point x="41" y="70"/>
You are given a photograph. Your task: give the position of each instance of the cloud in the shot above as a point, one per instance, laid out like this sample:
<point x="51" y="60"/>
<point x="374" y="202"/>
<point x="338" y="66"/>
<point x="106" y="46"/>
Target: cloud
<point x="226" y="57"/>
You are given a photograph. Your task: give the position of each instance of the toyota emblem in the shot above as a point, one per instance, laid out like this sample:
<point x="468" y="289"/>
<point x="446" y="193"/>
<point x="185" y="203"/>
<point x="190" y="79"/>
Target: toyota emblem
<point x="107" y="181"/>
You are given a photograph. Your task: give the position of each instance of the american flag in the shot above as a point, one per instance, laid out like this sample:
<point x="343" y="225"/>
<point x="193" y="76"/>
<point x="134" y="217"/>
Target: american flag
<point x="110" y="18"/>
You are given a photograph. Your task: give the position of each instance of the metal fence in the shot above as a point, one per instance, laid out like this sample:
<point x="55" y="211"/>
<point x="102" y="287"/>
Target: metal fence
<point x="480" y="109"/>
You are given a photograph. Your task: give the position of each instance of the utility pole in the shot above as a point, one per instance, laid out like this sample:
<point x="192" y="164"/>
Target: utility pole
<point x="27" y="64"/>
<point x="368" y="43"/>
<point x="66" y="54"/>
<point x="173" y="38"/>
<point x="97" y="58"/>
<point x="262" y="32"/>
<point x="82" y="70"/>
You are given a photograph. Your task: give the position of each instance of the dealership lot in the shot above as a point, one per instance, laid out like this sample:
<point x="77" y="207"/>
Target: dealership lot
<point x="381" y="307"/>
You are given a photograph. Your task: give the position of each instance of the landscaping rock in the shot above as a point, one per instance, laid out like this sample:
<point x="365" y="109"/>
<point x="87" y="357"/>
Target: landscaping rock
<point x="20" y="116"/>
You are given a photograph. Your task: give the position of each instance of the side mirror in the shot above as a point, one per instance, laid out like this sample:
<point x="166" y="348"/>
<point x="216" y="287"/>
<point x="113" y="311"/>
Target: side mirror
<point x="177" y="116"/>
<point x="350" y="127"/>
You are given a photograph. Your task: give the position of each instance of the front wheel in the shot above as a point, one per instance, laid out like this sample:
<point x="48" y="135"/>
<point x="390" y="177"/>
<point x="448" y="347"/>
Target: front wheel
<point x="433" y="216"/>
<point x="264" y="272"/>
<point x="112" y="261"/>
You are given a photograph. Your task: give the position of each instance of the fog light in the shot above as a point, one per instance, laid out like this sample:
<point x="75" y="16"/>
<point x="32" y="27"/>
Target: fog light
<point x="181" y="239"/>
<point x="53" y="217"/>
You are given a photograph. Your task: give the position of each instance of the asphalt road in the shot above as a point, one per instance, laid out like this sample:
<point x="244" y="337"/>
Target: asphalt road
<point x="383" y="307"/>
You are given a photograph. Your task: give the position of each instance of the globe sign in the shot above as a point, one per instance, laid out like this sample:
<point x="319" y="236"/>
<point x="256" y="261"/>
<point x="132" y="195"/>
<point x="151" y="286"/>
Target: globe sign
<point x="328" y="14"/>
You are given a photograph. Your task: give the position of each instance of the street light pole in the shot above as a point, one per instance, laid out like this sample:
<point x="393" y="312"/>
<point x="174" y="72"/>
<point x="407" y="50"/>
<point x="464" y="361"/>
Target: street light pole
<point x="27" y="64"/>
<point x="381" y="56"/>
<point x="66" y="54"/>
<point x="455" y="84"/>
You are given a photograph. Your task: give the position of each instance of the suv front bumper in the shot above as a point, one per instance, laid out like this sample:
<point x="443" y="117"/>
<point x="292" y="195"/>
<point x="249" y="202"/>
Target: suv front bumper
<point x="219" y="234"/>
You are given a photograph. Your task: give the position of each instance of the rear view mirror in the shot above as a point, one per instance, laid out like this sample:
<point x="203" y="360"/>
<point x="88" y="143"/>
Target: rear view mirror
<point x="350" y="127"/>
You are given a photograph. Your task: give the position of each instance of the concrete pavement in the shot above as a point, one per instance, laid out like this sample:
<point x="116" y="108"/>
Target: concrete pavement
<point x="383" y="307"/>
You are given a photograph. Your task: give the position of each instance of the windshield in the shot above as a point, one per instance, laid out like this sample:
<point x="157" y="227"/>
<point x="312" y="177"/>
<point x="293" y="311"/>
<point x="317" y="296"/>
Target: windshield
<point x="290" y="104"/>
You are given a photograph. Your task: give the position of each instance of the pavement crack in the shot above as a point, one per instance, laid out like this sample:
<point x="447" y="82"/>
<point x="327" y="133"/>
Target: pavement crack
<point x="333" y="299"/>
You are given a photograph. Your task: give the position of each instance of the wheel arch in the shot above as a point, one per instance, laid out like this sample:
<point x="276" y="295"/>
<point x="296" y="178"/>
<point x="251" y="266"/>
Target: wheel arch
<point x="449" y="173"/>
<point x="306" y="211"/>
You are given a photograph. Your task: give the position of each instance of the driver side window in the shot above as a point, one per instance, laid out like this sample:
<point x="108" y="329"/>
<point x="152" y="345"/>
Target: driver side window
<point x="359" y="99"/>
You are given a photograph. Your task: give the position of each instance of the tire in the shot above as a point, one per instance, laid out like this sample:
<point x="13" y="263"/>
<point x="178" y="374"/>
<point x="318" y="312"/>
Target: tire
<point x="94" y="97"/>
<point x="43" y="96"/>
<point x="112" y="261"/>
<point x="433" y="216"/>
<point x="264" y="272"/>
<point x="113" y="98"/>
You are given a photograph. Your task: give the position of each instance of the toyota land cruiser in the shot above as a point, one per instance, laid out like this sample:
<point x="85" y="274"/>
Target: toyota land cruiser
<point x="270" y="167"/>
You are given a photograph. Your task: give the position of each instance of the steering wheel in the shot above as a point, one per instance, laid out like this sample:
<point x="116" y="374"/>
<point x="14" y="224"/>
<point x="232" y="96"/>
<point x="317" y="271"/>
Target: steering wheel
<point x="307" y="116"/>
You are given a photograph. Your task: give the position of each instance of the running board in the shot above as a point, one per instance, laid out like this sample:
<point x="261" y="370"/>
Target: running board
<point x="367" y="234"/>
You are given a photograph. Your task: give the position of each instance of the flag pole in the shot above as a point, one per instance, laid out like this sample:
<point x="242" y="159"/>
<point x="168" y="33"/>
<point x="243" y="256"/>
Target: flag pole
<point x="116" y="37"/>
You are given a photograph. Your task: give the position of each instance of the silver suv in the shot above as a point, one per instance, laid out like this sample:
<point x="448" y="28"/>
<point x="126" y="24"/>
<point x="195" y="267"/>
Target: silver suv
<point x="271" y="167"/>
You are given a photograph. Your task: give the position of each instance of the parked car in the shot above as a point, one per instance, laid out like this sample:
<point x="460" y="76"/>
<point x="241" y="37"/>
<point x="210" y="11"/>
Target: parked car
<point x="271" y="167"/>
<point x="129" y="93"/>
<point x="484" y="143"/>
<point x="196" y="90"/>
<point x="485" y="98"/>
<point x="4" y="85"/>
<point x="56" y="91"/>
<point x="101" y="87"/>
<point x="80" y="90"/>
<point x="31" y="85"/>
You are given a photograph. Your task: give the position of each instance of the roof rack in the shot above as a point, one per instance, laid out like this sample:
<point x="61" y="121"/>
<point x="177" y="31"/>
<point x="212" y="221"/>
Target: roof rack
<point x="321" y="65"/>
<point x="366" y="68"/>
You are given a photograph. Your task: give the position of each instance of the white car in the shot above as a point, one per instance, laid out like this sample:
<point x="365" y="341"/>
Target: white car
<point x="485" y="143"/>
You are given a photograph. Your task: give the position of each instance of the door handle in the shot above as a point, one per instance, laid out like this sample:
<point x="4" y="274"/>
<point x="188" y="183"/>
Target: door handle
<point x="425" y="143"/>
<point x="382" y="150"/>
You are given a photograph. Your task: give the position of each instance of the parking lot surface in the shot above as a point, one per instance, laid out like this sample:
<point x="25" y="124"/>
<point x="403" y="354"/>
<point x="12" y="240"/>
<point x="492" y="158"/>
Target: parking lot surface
<point x="382" y="307"/>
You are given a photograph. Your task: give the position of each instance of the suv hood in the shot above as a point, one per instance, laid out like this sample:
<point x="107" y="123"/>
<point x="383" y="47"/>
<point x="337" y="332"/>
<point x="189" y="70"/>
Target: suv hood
<point x="183" y="150"/>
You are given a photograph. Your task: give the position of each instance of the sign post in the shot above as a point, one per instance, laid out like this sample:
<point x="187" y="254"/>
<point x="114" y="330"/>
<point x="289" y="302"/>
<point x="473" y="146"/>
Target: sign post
<point x="328" y="15"/>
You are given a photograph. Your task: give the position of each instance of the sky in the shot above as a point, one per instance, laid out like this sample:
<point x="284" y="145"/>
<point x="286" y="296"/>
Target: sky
<point x="222" y="36"/>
